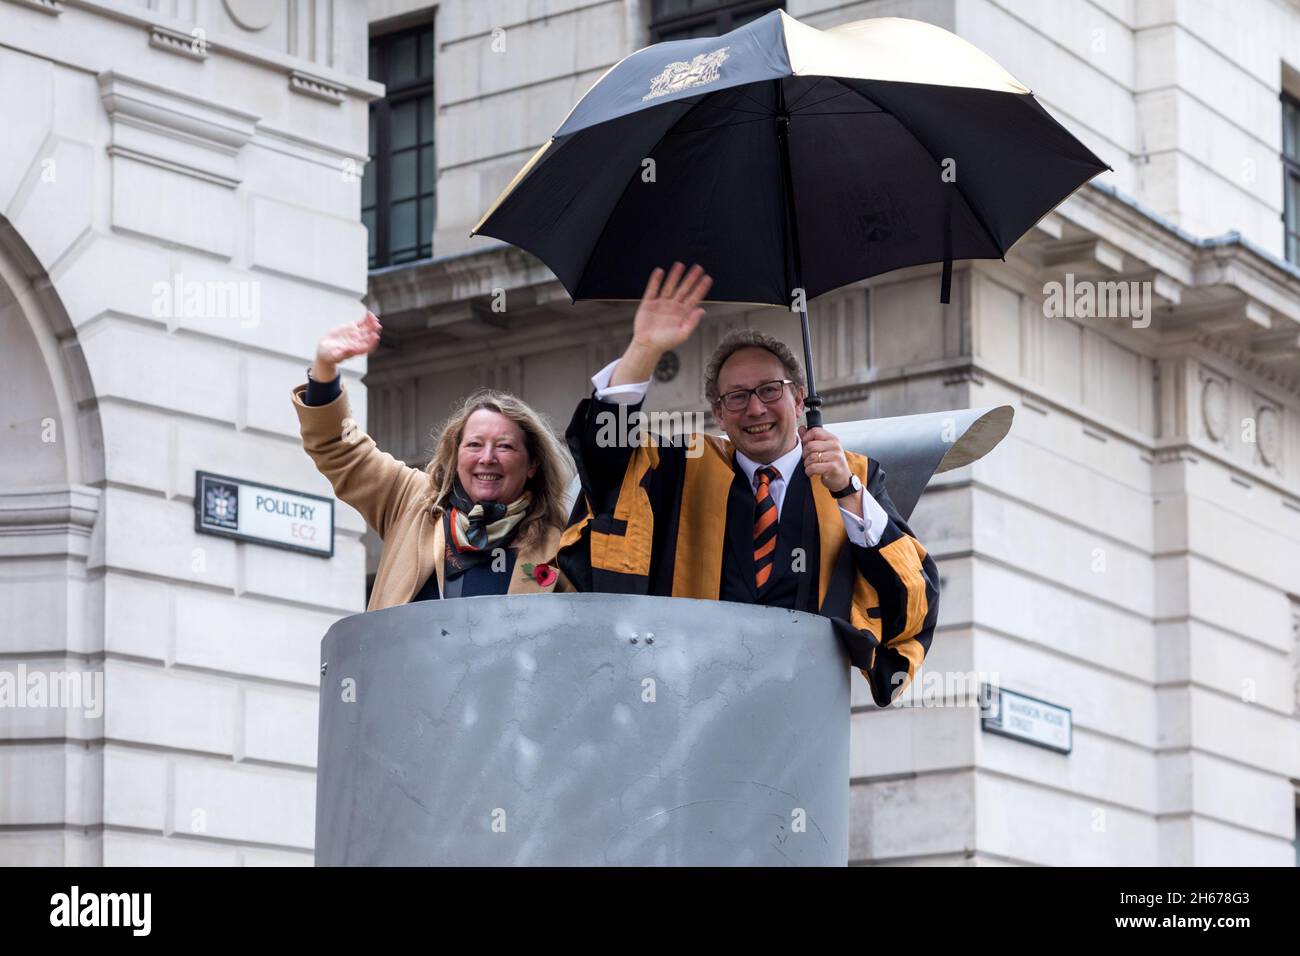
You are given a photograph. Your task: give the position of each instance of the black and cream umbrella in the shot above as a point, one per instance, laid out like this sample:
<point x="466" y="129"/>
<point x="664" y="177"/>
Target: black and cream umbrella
<point x="790" y="161"/>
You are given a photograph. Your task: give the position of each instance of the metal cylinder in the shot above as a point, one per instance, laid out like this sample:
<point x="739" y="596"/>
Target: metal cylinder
<point x="583" y="729"/>
<point x="914" y="448"/>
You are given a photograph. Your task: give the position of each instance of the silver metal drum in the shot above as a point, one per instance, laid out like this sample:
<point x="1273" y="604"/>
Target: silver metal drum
<point x="583" y="729"/>
<point x="914" y="448"/>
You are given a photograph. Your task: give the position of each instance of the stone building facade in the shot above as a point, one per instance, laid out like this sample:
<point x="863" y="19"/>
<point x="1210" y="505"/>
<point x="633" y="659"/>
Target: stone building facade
<point x="1130" y="552"/>
<point x="178" y="223"/>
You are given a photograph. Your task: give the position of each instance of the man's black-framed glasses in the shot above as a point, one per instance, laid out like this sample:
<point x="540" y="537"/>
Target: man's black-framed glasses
<point x="769" y="393"/>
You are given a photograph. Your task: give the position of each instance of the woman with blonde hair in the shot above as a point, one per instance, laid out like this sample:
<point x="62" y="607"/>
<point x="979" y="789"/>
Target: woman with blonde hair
<point x="485" y="515"/>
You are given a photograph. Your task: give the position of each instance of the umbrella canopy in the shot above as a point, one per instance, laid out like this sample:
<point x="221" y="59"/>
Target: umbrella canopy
<point x="875" y="112"/>
<point x="790" y="161"/>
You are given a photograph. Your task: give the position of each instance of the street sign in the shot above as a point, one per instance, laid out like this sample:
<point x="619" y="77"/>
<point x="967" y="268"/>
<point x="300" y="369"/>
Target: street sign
<point x="263" y="514"/>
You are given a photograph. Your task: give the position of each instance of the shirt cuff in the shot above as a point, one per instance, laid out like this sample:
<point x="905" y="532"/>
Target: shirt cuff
<point x="630" y="394"/>
<point x="322" y="393"/>
<point x="866" y="531"/>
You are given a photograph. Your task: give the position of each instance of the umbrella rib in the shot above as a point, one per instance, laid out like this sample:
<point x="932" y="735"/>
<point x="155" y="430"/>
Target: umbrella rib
<point x="799" y="98"/>
<point x="825" y="100"/>
<point x="969" y="205"/>
<point x="698" y="129"/>
<point x="727" y="109"/>
<point x="741" y="91"/>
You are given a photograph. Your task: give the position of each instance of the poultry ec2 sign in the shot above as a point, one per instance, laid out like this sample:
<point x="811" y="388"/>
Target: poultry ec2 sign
<point x="264" y="514"/>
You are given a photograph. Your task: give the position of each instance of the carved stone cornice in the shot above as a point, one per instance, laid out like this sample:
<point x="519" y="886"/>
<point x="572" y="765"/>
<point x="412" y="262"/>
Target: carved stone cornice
<point x="1239" y="354"/>
<point x="1224" y="293"/>
<point x="172" y="130"/>
<point x="192" y="46"/>
<point x="451" y="279"/>
<point x="217" y="43"/>
<point x="52" y="7"/>
<point x="317" y="87"/>
<point x="48" y="520"/>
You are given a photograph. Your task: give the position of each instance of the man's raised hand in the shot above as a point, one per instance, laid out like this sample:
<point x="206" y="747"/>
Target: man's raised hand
<point x="668" y="314"/>
<point x="670" y="308"/>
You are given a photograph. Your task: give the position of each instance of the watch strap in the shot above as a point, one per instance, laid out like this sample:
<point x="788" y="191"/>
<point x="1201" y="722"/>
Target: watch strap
<point x="855" y="484"/>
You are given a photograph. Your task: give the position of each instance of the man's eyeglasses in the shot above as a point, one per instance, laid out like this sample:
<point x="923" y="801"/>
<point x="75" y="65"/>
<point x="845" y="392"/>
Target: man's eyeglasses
<point x="769" y="393"/>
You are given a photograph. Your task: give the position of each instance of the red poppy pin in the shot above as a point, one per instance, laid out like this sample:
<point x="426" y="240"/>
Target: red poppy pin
<point x="543" y="574"/>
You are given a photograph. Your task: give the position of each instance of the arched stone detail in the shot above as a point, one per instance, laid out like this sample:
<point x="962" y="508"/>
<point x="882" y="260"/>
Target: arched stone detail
<point x="51" y="629"/>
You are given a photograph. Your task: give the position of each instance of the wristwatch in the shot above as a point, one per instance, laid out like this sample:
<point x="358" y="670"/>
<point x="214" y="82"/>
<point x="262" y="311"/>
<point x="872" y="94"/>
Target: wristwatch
<point x="853" y="486"/>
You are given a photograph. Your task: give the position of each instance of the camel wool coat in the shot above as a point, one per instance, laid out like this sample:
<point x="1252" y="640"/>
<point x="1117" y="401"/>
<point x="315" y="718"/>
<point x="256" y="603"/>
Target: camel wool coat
<point x="388" y="494"/>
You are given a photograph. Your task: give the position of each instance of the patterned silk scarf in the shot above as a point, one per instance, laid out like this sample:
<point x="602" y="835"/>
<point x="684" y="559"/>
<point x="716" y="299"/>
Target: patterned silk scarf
<point x="474" y="530"/>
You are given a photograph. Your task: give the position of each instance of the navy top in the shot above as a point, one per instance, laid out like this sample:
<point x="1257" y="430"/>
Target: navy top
<point x="322" y="393"/>
<point x="480" y="579"/>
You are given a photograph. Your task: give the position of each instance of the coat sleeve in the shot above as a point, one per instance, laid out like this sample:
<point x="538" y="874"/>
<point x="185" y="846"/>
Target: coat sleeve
<point x="599" y="453"/>
<point x="600" y="466"/>
<point x="372" y="481"/>
<point x="905" y="582"/>
<point x="613" y="537"/>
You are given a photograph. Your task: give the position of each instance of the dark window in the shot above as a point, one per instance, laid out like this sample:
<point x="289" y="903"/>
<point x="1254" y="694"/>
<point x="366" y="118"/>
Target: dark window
<point x="1296" y="841"/>
<point x="397" y="190"/>
<point x="682" y="19"/>
<point x="1291" y="172"/>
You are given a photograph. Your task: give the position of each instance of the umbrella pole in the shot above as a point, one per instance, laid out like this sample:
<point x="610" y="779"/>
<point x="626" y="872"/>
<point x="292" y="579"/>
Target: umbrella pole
<point x="812" y="402"/>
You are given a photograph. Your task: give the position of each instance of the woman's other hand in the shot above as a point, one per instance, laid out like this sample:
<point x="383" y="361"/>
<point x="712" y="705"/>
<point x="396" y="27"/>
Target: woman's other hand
<point x="341" y="344"/>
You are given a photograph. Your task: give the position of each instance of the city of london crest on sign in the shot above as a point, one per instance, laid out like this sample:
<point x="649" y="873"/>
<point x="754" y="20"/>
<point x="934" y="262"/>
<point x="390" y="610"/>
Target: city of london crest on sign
<point x="705" y="68"/>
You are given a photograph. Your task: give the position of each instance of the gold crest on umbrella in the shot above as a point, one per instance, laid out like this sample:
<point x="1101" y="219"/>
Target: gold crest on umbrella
<point x="704" y="69"/>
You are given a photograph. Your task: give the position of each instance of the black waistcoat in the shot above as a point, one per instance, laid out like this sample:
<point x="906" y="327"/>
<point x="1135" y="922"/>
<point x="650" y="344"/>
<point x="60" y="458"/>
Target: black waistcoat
<point x="797" y="527"/>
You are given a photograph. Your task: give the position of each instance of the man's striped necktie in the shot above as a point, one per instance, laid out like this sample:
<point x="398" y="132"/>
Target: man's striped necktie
<point x="764" y="525"/>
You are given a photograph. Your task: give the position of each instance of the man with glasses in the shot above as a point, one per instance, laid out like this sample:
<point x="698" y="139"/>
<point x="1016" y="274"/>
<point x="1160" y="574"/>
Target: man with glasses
<point x="779" y="515"/>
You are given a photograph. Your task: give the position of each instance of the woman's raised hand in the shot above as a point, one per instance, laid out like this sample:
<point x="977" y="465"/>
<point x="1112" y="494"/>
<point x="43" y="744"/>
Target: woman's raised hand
<point x="338" y="345"/>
